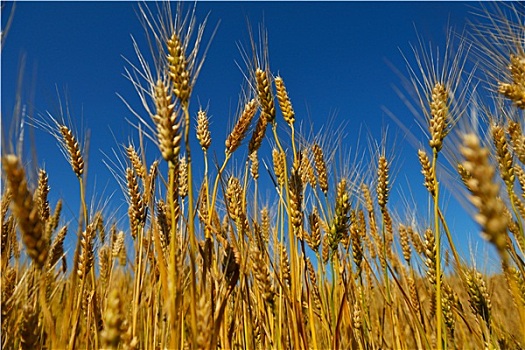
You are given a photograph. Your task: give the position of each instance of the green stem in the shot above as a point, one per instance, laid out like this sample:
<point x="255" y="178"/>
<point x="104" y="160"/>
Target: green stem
<point x="172" y="270"/>
<point x="207" y="194"/>
<point x="138" y="282"/>
<point x="191" y="223"/>
<point x="437" y="234"/>
<point x="211" y="208"/>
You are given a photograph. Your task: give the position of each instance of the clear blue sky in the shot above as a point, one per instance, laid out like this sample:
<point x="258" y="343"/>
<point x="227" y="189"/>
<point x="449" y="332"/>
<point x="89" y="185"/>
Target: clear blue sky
<point x="333" y="58"/>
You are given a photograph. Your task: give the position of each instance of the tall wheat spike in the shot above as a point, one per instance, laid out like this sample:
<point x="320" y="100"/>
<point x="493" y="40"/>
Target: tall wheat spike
<point x="167" y="122"/>
<point x="26" y="211"/>
<point x="485" y="192"/>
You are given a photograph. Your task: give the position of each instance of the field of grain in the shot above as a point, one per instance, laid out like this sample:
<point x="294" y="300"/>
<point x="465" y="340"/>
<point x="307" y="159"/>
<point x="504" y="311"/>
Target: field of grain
<point x="205" y="263"/>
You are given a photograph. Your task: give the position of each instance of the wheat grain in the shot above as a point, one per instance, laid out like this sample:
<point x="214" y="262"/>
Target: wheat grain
<point x="41" y="194"/>
<point x="136" y="162"/>
<point x="262" y="276"/>
<point x="254" y="165"/>
<point x="264" y="90"/>
<point x="448" y="304"/>
<point x="114" y="325"/>
<point x="137" y="209"/>
<point x="503" y="155"/>
<point x="430" y="253"/>
<point x="320" y="167"/>
<point x="478" y="295"/>
<point x="485" y="192"/>
<point x="241" y="127"/>
<point x="340" y="223"/>
<point x="515" y="91"/>
<point x="382" y="183"/>
<point x="258" y="134"/>
<point x="357" y="247"/>
<point x="56" y="252"/>
<point x="165" y="118"/>
<point x="28" y="329"/>
<point x="203" y="130"/>
<point x="428" y="172"/>
<point x="296" y="199"/>
<point x="314" y="239"/>
<point x="178" y="69"/>
<point x="405" y="245"/>
<point x="25" y="210"/>
<point x="75" y="157"/>
<point x="86" y="256"/>
<point x="284" y="101"/>
<point x="183" y="178"/>
<point x="439" y="121"/>
<point x="517" y="139"/>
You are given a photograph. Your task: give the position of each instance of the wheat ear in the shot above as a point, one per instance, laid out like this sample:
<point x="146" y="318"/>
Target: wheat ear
<point x="25" y="210"/>
<point x="73" y="148"/>
<point x="168" y="128"/>
<point x="515" y="91"/>
<point x="203" y="130"/>
<point x="485" y="192"/>
<point x="178" y="69"/>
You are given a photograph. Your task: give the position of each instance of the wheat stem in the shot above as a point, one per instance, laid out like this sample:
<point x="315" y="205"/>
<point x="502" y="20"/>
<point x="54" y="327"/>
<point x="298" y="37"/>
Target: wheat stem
<point x="437" y="232"/>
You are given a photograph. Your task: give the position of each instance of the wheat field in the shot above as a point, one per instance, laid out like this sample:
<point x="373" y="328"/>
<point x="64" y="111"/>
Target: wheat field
<point x="204" y="262"/>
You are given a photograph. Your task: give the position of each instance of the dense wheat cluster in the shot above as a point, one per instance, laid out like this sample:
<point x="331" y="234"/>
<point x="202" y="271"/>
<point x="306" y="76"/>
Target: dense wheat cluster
<point x="202" y="263"/>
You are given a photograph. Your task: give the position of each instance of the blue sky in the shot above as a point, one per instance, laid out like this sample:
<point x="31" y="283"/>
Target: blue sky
<point x="332" y="55"/>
